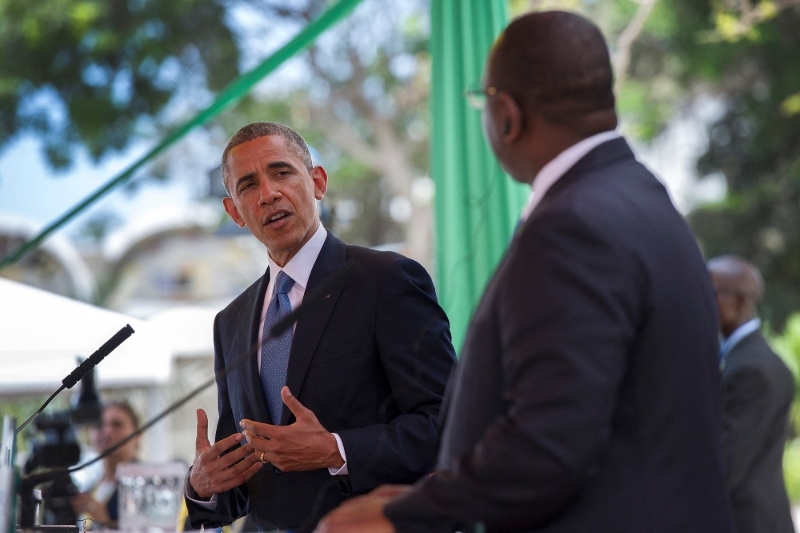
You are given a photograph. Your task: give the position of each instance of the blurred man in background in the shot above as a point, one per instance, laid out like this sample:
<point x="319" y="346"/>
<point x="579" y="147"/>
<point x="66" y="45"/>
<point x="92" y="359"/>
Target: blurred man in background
<point x="587" y="394"/>
<point x="757" y="390"/>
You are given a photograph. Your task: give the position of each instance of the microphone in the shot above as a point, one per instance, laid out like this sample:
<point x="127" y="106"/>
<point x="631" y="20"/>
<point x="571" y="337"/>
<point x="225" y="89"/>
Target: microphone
<point x="310" y="302"/>
<point x="82" y="369"/>
<point x="109" y="346"/>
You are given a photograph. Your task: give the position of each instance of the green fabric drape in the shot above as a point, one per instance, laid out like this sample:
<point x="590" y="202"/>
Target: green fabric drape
<point x="228" y="97"/>
<point x="477" y="205"/>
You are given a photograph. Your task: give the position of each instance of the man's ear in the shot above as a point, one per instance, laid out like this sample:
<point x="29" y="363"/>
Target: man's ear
<point x="230" y="208"/>
<point x="508" y="117"/>
<point x="320" y="178"/>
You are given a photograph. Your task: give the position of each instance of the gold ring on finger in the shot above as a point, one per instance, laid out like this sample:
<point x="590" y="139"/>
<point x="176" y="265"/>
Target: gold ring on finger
<point x="262" y="458"/>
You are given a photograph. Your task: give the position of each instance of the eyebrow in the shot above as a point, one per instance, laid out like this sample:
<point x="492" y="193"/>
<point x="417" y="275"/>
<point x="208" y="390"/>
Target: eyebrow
<point x="280" y="164"/>
<point x="272" y="166"/>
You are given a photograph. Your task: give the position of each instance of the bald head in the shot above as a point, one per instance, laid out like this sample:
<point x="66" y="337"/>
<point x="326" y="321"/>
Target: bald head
<point x="739" y="287"/>
<point x="555" y="64"/>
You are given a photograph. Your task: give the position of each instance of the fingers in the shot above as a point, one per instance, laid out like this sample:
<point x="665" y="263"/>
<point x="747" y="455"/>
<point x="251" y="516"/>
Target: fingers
<point x="213" y="473"/>
<point x="235" y="456"/>
<point x="258" y="429"/>
<point x="243" y="466"/>
<point x="254" y="439"/>
<point x="293" y="403"/>
<point x="243" y="476"/>
<point x="232" y="477"/>
<point x="225" y="444"/>
<point x="201" y="441"/>
<point x="371" y="521"/>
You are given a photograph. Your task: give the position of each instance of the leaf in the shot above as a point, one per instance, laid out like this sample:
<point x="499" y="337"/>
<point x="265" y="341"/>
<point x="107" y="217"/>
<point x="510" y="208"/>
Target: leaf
<point x="791" y="105"/>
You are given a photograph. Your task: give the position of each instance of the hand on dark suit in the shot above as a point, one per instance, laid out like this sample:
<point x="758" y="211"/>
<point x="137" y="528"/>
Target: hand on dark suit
<point x="212" y="472"/>
<point x="363" y="513"/>
<point x="299" y="447"/>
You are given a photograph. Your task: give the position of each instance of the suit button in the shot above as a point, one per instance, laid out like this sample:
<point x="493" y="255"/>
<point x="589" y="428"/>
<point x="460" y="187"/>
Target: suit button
<point x="277" y="470"/>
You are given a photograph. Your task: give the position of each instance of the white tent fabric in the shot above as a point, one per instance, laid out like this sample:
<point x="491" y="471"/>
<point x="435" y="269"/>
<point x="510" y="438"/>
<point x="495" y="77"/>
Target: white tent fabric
<point x="41" y="334"/>
<point x="188" y="331"/>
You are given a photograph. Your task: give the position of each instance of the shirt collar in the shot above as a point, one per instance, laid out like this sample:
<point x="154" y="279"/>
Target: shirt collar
<point x="559" y="166"/>
<point x="299" y="267"/>
<point x="738" y="334"/>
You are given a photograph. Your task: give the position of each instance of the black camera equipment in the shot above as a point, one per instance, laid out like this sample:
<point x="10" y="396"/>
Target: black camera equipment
<point x="55" y="446"/>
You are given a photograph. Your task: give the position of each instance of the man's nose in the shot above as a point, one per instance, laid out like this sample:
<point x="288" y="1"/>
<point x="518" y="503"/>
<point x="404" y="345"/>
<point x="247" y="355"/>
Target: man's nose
<point x="268" y="192"/>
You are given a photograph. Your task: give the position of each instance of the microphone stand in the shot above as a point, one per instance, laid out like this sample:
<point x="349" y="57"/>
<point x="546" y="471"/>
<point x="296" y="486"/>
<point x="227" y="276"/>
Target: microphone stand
<point x="83" y="369"/>
<point x="28" y="483"/>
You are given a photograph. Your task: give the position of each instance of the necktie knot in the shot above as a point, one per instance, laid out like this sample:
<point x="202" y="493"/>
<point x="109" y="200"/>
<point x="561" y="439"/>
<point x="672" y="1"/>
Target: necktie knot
<point x="283" y="283"/>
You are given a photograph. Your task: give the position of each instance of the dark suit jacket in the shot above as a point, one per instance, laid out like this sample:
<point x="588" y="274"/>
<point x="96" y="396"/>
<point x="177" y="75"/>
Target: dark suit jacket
<point x="587" y="396"/>
<point x="371" y="361"/>
<point x="757" y="390"/>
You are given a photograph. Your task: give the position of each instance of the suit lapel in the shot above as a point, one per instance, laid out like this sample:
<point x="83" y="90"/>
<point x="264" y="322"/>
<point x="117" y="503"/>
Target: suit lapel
<point x="309" y="330"/>
<point x="248" y="325"/>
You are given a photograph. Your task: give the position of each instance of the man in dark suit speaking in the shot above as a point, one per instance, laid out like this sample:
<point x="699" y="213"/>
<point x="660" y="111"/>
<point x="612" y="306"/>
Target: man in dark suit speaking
<point x="757" y="391"/>
<point x="346" y="400"/>
<point x="587" y="394"/>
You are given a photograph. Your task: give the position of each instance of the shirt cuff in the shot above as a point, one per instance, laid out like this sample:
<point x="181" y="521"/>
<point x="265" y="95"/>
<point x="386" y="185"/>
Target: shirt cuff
<point x="342" y="470"/>
<point x="209" y="504"/>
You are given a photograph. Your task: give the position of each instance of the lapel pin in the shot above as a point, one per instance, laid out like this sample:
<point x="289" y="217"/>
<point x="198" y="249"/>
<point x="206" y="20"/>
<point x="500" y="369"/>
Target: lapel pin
<point x="326" y="296"/>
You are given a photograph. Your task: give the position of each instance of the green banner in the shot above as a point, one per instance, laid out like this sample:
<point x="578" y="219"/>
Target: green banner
<point x="477" y="205"/>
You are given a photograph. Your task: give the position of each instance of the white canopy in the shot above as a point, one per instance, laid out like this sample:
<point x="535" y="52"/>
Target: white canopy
<point x="41" y="334"/>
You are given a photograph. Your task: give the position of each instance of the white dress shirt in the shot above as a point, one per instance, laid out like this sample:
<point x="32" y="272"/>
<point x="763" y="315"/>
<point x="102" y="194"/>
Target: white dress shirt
<point x="736" y="337"/>
<point x="559" y="165"/>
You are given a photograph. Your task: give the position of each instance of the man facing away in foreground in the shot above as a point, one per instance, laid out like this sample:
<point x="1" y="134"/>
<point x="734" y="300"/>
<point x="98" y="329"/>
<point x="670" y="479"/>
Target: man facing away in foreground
<point x="587" y="394"/>
<point x="757" y="391"/>
<point x="342" y="402"/>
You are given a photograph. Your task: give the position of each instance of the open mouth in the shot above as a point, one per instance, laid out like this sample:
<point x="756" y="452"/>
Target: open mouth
<point x="277" y="217"/>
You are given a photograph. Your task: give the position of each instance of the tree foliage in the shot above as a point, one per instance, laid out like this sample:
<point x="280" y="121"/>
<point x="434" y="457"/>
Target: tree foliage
<point x="754" y="144"/>
<point x="743" y="57"/>
<point x="93" y="73"/>
<point x="362" y="102"/>
<point x="90" y="72"/>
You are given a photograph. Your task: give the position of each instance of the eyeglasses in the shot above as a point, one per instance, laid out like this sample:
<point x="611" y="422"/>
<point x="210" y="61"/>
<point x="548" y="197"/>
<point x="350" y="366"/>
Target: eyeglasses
<point x="476" y="97"/>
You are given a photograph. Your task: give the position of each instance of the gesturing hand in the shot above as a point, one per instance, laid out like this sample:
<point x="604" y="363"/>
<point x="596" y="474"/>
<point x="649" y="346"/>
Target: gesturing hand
<point x="212" y="472"/>
<point x="363" y="513"/>
<point x="304" y="445"/>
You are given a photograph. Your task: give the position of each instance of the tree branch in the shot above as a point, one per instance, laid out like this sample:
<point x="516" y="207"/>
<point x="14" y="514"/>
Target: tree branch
<point x="622" y="53"/>
<point x="749" y="16"/>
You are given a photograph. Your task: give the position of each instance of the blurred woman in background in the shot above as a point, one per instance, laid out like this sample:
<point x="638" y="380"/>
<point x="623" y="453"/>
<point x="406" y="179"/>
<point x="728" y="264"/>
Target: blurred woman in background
<point x="100" y="503"/>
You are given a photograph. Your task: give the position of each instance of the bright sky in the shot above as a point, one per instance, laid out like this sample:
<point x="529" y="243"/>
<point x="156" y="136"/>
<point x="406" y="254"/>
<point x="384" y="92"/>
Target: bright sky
<point x="31" y="191"/>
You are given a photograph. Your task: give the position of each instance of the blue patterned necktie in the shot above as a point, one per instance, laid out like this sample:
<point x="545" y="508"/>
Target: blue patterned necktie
<point x="275" y="350"/>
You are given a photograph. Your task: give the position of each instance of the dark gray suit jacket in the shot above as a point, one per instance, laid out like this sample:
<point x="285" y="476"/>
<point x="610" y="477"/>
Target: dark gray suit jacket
<point x="757" y="390"/>
<point x="587" y="396"/>
<point x="371" y="361"/>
